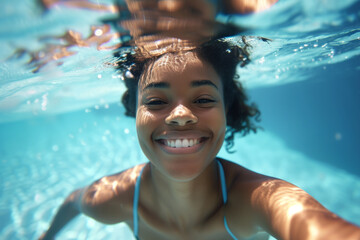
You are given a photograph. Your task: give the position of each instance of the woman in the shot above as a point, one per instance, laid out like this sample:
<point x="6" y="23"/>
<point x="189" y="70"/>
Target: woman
<point x="186" y="103"/>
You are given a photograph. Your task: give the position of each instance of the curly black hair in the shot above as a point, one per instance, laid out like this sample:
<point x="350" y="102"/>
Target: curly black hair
<point x="224" y="57"/>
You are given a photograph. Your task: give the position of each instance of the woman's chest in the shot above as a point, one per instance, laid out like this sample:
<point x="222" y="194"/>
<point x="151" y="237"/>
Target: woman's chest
<point x="214" y="227"/>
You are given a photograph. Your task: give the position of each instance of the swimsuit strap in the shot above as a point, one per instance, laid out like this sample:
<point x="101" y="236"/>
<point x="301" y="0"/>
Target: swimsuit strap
<point x="136" y="203"/>
<point x="224" y="195"/>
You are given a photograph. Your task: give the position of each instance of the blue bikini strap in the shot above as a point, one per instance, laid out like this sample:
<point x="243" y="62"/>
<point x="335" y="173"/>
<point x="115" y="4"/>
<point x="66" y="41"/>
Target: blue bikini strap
<point x="136" y="203"/>
<point x="224" y="195"/>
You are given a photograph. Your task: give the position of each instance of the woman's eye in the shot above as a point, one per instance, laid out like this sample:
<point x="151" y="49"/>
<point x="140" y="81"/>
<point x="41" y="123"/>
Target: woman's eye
<point x="204" y="100"/>
<point x="155" y="102"/>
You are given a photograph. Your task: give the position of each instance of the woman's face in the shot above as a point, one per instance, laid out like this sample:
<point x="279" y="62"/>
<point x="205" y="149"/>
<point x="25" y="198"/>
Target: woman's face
<point x="180" y="116"/>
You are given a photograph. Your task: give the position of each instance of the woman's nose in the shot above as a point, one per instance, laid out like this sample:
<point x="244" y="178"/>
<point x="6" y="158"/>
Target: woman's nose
<point x="181" y="116"/>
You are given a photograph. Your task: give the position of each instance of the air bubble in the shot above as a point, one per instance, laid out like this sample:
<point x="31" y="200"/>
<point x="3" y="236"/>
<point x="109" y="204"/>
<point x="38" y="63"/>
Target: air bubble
<point x="98" y="32"/>
<point x="128" y="74"/>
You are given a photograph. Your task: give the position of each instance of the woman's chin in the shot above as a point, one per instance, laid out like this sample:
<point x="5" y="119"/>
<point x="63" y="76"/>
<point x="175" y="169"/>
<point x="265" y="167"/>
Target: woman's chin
<point x="184" y="170"/>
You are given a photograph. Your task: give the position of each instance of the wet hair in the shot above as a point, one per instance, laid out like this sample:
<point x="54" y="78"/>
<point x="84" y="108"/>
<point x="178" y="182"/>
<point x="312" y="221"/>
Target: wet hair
<point x="224" y="57"/>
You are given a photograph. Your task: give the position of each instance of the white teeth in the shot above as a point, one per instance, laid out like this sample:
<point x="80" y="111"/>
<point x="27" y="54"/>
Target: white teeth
<point x="181" y="143"/>
<point x="178" y="143"/>
<point x="185" y="143"/>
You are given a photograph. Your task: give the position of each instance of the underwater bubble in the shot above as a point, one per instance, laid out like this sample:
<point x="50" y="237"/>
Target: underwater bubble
<point x="262" y="60"/>
<point x="98" y="32"/>
<point x="338" y="136"/>
<point x="128" y="74"/>
<point x="44" y="102"/>
<point x="55" y="148"/>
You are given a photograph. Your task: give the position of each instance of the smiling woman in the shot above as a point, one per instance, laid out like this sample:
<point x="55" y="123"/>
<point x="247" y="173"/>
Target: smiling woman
<point x="184" y="102"/>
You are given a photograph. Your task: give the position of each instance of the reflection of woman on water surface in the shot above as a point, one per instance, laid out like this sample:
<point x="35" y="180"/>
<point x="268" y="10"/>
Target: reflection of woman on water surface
<point x="186" y="103"/>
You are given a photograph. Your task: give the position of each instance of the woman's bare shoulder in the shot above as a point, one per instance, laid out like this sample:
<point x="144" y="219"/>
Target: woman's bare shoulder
<point x="109" y="199"/>
<point x="237" y="174"/>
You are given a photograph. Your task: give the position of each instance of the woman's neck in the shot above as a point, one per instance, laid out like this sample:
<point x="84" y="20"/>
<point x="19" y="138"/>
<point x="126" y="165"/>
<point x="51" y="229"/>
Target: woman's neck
<point x="187" y="203"/>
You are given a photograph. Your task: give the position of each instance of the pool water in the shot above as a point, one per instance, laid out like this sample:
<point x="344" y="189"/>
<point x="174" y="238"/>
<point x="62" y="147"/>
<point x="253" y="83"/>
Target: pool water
<point x="63" y="127"/>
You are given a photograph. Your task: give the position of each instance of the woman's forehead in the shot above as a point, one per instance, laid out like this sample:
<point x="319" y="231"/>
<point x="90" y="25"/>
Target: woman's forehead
<point x="170" y="63"/>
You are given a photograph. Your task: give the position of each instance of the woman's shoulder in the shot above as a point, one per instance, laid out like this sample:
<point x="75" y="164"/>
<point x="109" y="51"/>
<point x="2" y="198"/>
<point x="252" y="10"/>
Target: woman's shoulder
<point x="237" y="174"/>
<point x="119" y="185"/>
<point x="248" y="186"/>
<point x="240" y="177"/>
<point x="110" y="198"/>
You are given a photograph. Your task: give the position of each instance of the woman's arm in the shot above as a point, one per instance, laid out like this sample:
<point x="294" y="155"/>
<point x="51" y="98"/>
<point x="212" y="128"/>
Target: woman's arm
<point x="108" y="200"/>
<point x="288" y="212"/>
<point x="68" y="210"/>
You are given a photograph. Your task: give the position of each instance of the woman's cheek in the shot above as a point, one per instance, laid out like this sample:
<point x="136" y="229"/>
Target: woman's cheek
<point x="143" y="116"/>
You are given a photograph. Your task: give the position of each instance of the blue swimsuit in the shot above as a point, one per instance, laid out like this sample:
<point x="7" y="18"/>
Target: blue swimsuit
<point x="137" y="193"/>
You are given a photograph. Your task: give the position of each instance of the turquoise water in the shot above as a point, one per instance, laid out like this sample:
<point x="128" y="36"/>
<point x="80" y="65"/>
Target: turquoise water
<point x="63" y="127"/>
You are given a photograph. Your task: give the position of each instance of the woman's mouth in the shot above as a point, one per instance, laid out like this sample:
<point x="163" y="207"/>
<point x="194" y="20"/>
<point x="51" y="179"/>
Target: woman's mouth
<point x="181" y="145"/>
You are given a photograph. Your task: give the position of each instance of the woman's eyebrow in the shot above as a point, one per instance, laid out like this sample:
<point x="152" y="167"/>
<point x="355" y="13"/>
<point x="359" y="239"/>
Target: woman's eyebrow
<point x="157" y="85"/>
<point x="195" y="83"/>
<point x="199" y="83"/>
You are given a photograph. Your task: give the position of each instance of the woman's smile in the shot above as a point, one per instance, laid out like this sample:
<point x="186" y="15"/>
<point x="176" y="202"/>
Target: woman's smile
<point x="182" y="142"/>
